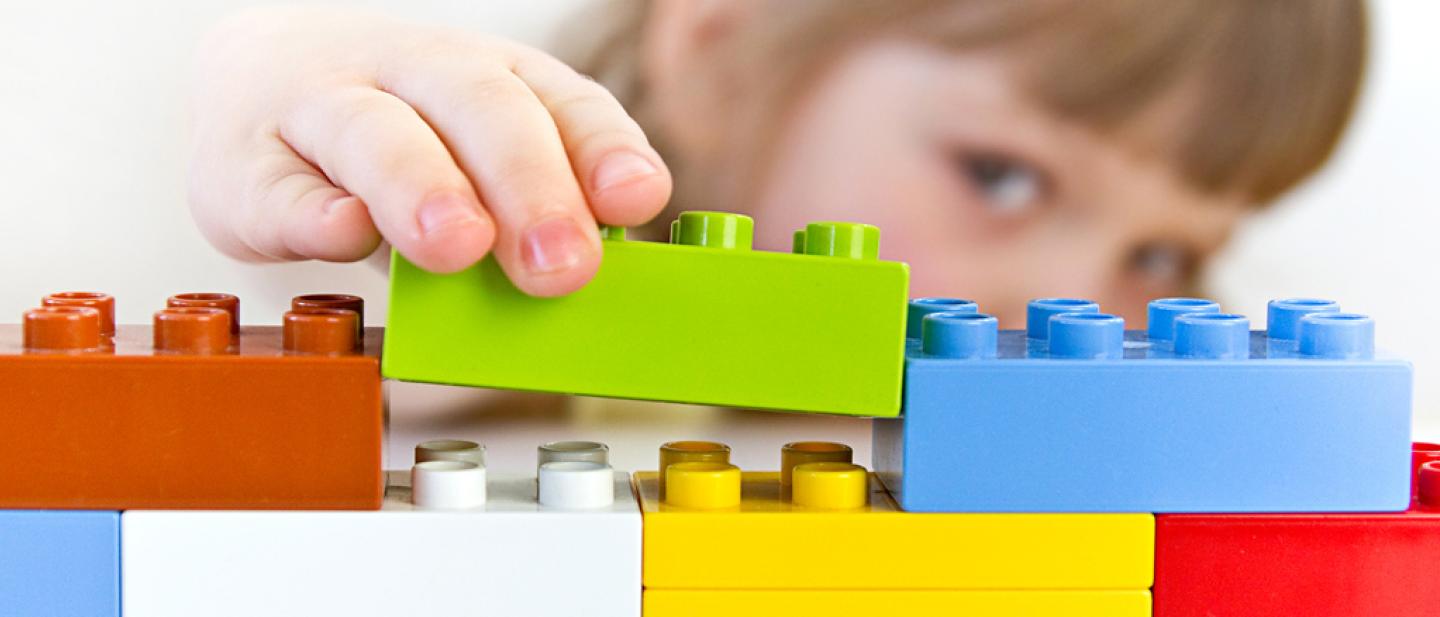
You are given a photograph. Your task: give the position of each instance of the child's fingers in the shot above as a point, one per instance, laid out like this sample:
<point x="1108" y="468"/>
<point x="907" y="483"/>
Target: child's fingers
<point x="379" y="149"/>
<point x="623" y="177"/>
<point x="299" y="214"/>
<point x="278" y="208"/>
<point x="504" y="139"/>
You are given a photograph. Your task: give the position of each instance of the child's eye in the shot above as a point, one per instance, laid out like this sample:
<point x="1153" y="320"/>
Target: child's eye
<point x="1162" y="264"/>
<point x="1009" y="187"/>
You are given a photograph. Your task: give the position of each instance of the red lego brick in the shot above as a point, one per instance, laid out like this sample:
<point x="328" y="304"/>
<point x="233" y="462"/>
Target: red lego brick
<point x="1317" y="565"/>
<point x="193" y="411"/>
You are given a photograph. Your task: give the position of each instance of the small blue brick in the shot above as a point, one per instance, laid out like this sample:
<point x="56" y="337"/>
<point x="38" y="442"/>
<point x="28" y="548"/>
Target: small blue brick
<point x="1261" y="428"/>
<point x="60" y="563"/>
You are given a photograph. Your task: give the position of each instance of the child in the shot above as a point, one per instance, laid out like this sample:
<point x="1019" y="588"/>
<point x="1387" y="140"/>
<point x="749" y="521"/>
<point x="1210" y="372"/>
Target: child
<point x="1006" y="149"/>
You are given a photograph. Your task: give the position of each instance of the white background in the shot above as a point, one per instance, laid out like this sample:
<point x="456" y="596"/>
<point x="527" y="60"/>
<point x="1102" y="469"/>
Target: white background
<point x="92" y="157"/>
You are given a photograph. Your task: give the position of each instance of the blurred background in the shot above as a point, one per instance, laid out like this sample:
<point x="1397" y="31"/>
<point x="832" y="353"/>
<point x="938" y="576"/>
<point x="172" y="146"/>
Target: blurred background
<point x="93" y="150"/>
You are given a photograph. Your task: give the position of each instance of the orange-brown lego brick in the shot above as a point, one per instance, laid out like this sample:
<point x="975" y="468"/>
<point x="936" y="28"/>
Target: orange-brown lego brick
<point x="259" y="421"/>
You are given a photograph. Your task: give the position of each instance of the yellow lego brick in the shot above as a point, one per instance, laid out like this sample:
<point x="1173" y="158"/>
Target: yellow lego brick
<point x="844" y="603"/>
<point x="768" y="543"/>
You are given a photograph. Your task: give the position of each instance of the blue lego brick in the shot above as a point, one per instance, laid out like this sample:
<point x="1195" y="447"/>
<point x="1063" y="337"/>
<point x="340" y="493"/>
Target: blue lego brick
<point x="60" y="563"/>
<point x="1208" y="418"/>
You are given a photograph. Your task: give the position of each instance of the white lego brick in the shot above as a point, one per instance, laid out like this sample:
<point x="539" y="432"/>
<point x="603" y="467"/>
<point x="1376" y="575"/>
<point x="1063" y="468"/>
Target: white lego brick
<point x="511" y="558"/>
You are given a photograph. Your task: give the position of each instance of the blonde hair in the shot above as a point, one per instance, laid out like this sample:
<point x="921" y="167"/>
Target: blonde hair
<point x="1270" y="84"/>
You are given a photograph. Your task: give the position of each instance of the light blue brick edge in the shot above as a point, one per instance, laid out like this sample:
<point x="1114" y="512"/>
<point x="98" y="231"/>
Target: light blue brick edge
<point x="59" y="563"/>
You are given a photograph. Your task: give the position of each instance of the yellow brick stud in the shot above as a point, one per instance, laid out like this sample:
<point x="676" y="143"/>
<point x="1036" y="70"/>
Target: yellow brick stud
<point x="830" y="486"/>
<point x="702" y="486"/>
<point x="801" y="452"/>
<point x="690" y="452"/>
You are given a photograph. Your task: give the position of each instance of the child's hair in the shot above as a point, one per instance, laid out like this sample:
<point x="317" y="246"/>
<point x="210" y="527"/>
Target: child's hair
<point x="1271" y="83"/>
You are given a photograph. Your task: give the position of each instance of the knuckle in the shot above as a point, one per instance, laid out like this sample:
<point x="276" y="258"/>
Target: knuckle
<point x="583" y="99"/>
<point x="357" y="115"/>
<point x="600" y="142"/>
<point x="528" y="61"/>
<point x="368" y="139"/>
<point x="530" y="168"/>
<point x="492" y="91"/>
<point x="274" y="178"/>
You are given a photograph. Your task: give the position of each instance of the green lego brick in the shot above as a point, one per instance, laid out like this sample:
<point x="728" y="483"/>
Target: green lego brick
<point x="701" y="320"/>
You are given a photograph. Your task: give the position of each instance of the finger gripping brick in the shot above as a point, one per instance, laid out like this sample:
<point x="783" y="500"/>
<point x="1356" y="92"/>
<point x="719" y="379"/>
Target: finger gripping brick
<point x="714" y="322"/>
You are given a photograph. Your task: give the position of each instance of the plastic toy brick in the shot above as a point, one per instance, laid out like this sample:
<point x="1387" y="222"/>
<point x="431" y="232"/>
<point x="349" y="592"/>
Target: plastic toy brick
<point x="194" y="411"/>
<point x="1196" y="414"/>
<point x="59" y="564"/>
<point x="702" y="320"/>
<point x="842" y="603"/>
<point x="503" y="554"/>
<point x="1318" y="565"/>
<point x="718" y="528"/>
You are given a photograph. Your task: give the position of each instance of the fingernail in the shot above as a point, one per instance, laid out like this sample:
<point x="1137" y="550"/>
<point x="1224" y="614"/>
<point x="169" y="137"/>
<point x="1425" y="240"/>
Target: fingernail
<point x="445" y="210"/>
<point x="554" y="245"/>
<point x="621" y="167"/>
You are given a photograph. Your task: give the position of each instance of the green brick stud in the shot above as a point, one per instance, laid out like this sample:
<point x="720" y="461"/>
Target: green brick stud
<point x="612" y="232"/>
<point x="848" y="240"/>
<point x="716" y="230"/>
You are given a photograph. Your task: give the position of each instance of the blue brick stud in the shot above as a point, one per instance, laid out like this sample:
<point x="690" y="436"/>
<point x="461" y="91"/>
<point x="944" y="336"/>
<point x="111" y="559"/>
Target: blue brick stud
<point x="920" y="307"/>
<point x="1095" y="336"/>
<point x="1340" y="336"/>
<point x="1212" y="336"/>
<point x="1283" y="318"/>
<point x="1039" y="312"/>
<point x="1160" y="314"/>
<point x="959" y="335"/>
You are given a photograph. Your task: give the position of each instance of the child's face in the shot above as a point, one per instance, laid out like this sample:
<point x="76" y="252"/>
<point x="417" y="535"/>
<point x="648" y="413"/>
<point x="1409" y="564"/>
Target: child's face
<point x="986" y="195"/>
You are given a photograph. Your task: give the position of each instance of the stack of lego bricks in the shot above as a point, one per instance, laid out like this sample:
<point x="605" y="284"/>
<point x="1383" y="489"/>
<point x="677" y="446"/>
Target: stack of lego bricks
<point x="1278" y="463"/>
<point x="195" y="467"/>
<point x="1196" y="467"/>
<point x="191" y="412"/>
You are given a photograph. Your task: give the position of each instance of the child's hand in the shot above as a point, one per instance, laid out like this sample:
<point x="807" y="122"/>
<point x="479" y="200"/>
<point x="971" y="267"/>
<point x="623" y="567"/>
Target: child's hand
<point x="318" y="132"/>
